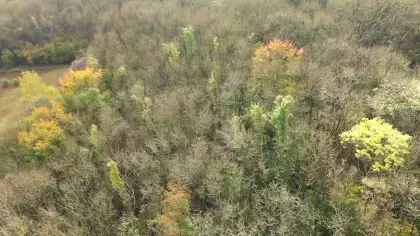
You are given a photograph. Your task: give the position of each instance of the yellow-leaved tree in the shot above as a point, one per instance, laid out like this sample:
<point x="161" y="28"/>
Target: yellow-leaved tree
<point x="31" y="86"/>
<point x="41" y="139"/>
<point x="43" y="134"/>
<point x="75" y="81"/>
<point x="378" y="144"/>
<point x="79" y="89"/>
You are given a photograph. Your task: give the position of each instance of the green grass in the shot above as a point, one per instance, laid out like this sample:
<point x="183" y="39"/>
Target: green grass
<point x="51" y="77"/>
<point x="11" y="107"/>
<point x="23" y="68"/>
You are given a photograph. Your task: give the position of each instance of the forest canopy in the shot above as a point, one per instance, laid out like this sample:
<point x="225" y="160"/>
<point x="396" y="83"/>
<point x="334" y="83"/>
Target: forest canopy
<point x="221" y="117"/>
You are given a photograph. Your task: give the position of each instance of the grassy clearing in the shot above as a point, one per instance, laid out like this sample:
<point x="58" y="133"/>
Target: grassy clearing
<point x="47" y="73"/>
<point x="11" y="107"/>
<point x="18" y="70"/>
<point x="50" y="77"/>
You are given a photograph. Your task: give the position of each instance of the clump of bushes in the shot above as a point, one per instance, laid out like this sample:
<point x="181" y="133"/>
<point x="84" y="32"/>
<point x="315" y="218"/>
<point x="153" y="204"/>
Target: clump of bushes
<point x="5" y="83"/>
<point x="14" y="70"/>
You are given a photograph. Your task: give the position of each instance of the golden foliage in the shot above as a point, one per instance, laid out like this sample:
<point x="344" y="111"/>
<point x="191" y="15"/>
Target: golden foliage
<point x="44" y="132"/>
<point x="77" y="80"/>
<point x="56" y="112"/>
<point x="378" y="142"/>
<point x="42" y="137"/>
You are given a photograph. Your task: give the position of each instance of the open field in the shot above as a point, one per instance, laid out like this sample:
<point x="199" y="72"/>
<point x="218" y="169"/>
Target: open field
<point x="11" y="108"/>
<point x="18" y="70"/>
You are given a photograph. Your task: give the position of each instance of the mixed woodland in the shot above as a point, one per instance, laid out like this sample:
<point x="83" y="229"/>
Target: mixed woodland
<point x="213" y="117"/>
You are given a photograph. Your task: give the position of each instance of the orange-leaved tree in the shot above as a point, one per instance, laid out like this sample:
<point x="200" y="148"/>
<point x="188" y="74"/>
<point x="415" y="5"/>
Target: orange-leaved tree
<point x="274" y="67"/>
<point x="176" y="204"/>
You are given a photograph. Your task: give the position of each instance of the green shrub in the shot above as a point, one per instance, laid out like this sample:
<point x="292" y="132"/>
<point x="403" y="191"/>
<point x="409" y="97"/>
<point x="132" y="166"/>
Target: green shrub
<point x="16" y="82"/>
<point x="189" y="44"/>
<point x="5" y="83"/>
<point x="115" y="177"/>
<point x="173" y="52"/>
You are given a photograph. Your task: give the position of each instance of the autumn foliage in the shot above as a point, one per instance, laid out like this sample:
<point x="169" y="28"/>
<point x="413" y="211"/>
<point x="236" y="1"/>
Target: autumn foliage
<point x="276" y="48"/>
<point x="378" y="143"/>
<point x="273" y="67"/>
<point x="44" y="132"/>
<point x="176" y="205"/>
<point x="79" y="80"/>
<point x="208" y="118"/>
<point x="78" y="89"/>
